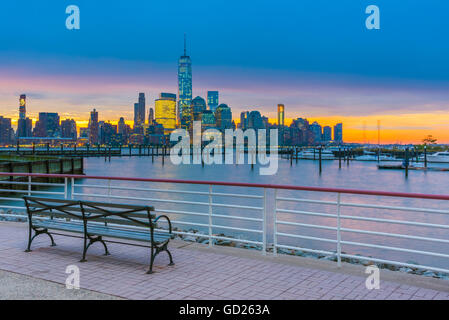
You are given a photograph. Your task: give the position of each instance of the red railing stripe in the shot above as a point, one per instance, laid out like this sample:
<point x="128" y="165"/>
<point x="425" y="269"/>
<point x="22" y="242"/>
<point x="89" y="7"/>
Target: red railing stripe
<point x="238" y="184"/>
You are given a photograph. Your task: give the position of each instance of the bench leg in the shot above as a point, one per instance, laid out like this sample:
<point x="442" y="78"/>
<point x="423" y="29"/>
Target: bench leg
<point x="171" y="258"/>
<point x="155" y="251"/>
<point x="36" y="233"/>
<point x="85" y="246"/>
<point x="92" y="240"/>
<point x="153" y="255"/>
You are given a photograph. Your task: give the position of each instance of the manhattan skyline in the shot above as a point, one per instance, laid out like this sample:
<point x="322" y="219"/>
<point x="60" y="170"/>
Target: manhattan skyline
<point x="325" y="71"/>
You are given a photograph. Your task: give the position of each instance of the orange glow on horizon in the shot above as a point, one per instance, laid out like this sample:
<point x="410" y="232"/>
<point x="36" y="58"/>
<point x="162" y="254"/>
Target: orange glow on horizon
<point x="400" y="128"/>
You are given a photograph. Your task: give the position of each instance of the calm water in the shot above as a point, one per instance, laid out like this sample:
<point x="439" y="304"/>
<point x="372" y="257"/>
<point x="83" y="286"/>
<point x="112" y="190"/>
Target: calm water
<point x="358" y="175"/>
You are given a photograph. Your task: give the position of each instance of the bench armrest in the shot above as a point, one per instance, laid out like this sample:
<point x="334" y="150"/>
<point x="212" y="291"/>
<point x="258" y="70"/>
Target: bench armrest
<point x="168" y="220"/>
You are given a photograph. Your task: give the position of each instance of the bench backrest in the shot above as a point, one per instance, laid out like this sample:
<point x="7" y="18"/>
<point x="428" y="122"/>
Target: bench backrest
<point x="114" y="213"/>
<point x="39" y="207"/>
<point x="107" y="213"/>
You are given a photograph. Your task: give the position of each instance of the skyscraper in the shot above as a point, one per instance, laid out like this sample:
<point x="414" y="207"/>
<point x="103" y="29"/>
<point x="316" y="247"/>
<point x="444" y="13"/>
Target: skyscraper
<point x="6" y="131"/>
<point x="281" y="115"/>
<point x="165" y="111"/>
<point x="24" y="124"/>
<point x="281" y="118"/>
<point x="68" y="129"/>
<point x="223" y="116"/>
<point x="327" y="133"/>
<point x="47" y="125"/>
<point x="22" y="107"/>
<point x="184" y="113"/>
<point x="317" y="132"/>
<point x="338" y="133"/>
<point x="93" y="127"/>
<point x="198" y="107"/>
<point x="139" y="111"/>
<point x="212" y="100"/>
<point x="150" y="116"/>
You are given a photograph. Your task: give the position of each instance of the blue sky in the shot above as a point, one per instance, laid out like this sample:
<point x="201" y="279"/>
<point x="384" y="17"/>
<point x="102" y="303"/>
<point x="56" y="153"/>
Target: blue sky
<point x="315" y="56"/>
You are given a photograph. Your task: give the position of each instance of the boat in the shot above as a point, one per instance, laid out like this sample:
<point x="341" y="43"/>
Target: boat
<point x="310" y="154"/>
<point x="441" y="157"/>
<point x="372" y="156"/>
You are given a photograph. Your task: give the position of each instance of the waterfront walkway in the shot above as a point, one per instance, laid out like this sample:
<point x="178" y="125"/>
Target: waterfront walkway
<point x="200" y="273"/>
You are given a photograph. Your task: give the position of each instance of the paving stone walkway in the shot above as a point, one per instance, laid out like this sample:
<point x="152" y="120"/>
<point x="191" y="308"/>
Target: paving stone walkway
<point x="198" y="274"/>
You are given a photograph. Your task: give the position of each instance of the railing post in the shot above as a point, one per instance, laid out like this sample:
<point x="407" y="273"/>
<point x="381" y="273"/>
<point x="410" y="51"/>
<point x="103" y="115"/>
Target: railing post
<point x="338" y="231"/>
<point x="210" y="216"/>
<point x="65" y="188"/>
<point x="275" y="240"/>
<point x="29" y="185"/>
<point x="109" y="190"/>
<point x="73" y="188"/>
<point x="264" y="223"/>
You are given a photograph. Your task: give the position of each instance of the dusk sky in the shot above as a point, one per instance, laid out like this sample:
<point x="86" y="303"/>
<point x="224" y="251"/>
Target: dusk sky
<point x="316" y="57"/>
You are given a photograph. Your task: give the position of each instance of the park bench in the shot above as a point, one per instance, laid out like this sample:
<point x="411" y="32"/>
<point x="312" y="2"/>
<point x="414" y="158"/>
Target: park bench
<point x="95" y="220"/>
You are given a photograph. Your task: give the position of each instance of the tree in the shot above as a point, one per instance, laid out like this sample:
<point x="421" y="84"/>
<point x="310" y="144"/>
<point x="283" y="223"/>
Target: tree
<point x="429" y="140"/>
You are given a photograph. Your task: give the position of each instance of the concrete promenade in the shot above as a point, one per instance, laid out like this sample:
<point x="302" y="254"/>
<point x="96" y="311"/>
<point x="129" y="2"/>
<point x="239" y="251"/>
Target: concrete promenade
<point x="200" y="273"/>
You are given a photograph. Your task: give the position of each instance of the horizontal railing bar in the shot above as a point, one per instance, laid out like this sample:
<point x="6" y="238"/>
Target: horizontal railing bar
<point x="11" y="199"/>
<point x="377" y="233"/>
<point x="372" y="206"/>
<point x="305" y="237"/>
<point x="185" y="222"/>
<point x="306" y="200"/>
<point x="12" y="207"/>
<point x="236" y="229"/>
<point x="397" y="263"/>
<point x="428" y="253"/>
<point x="181" y="212"/>
<point x="236" y="240"/>
<point x="305" y="225"/>
<point x="140" y="189"/>
<point x="140" y="199"/>
<point x="236" y="217"/>
<point x="32" y="183"/>
<point x="419" y="224"/>
<point x="249" y="196"/>
<point x="319" y="214"/>
<point x="305" y="249"/>
<point x="235" y="206"/>
<point x="169" y="191"/>
<point x="30" y="191"/>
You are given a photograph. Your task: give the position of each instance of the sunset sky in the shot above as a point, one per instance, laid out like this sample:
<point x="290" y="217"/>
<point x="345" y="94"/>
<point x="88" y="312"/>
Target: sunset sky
<point x="316" y="57"/>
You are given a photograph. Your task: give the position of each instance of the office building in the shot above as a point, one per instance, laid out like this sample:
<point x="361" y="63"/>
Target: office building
<point x="223" y="117"/>
<point x="208" y="120"/>
<point x="184" y="113"/>
<point x="6" y="131"/>
<point x="165" y="111"/>
<point x="151" y="116"/>
<point x="316" y="131"/>
<point x="338" y="133"/>
<point x="212" y="100"/>
<point x="68" y="129"/>
<point x="24" y="124"/>
<point x="93" y="127"/>
<point x="198" y="107"/>
<point x="281" y="115"/>
<point x="327" y="134"/>
<point x="47" y="125"/>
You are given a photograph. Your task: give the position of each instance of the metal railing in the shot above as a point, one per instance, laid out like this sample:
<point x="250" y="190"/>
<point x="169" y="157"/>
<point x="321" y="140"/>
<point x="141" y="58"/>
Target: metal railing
<point x="250" y="208"/>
